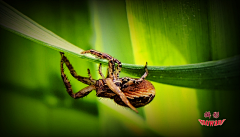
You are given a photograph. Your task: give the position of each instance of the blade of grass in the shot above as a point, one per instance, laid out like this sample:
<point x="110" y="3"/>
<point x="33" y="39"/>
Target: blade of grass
<point x="221" y="74"/>
<point x="16" y="22"/>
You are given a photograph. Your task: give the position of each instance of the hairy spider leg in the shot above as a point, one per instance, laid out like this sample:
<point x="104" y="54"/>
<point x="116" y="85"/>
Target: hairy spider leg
<point x="144" y="75"/>
<point x="68" y="86"/>
<point x="85" y="80"/>
<point x="119" y="67"/>
<point x="100" y="71"/>
<point x="129" y="81"/>
<point x="111" y="69"/>
<point x="90" y="77"/>
<point x="116" y="90"/>
<point x="111" y="64"/>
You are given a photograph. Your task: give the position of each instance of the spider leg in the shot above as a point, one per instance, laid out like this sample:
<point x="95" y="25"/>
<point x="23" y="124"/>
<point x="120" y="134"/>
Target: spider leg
<point x="68" y="86"/>
<point x="144" y="75"/>
<point x="119" y="67"/>
<point x="85" y="80"/>
<point x="98" y="54"/>
<point x="90" y="77"/>
<point x="100" y="71"/>
<point x="111" y="72"/>
<point x="116" y="90"/>
<point x="80" y="93"/>
<point x="129" y="81"/>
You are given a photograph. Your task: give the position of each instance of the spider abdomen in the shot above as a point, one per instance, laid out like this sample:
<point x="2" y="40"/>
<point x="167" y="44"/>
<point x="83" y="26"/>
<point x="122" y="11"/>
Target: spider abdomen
<point x="138" y="94"/>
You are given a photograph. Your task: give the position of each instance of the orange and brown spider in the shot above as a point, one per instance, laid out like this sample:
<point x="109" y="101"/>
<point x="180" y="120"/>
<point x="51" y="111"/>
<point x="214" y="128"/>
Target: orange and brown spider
<point x="128" y="92"/>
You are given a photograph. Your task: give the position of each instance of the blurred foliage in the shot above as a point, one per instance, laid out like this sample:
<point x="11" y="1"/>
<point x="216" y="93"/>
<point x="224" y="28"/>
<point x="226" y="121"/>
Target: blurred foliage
<point x="163" y="33"/>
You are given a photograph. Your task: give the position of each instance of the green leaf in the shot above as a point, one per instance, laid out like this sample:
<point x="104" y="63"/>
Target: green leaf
<point x="15" y="21"/>
<point x="221" y="74"/>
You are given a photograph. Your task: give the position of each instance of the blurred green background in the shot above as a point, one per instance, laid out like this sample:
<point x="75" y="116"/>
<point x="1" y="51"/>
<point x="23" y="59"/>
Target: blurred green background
<point x="34" y="100"/>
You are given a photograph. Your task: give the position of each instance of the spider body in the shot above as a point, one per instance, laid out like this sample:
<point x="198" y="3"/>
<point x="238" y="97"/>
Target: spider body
<point x="128" y="92"/>
<point x="138" y="94"/>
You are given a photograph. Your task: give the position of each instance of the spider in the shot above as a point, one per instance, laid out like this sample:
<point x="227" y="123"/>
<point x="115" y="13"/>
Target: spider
<point x="128" y="92"/>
